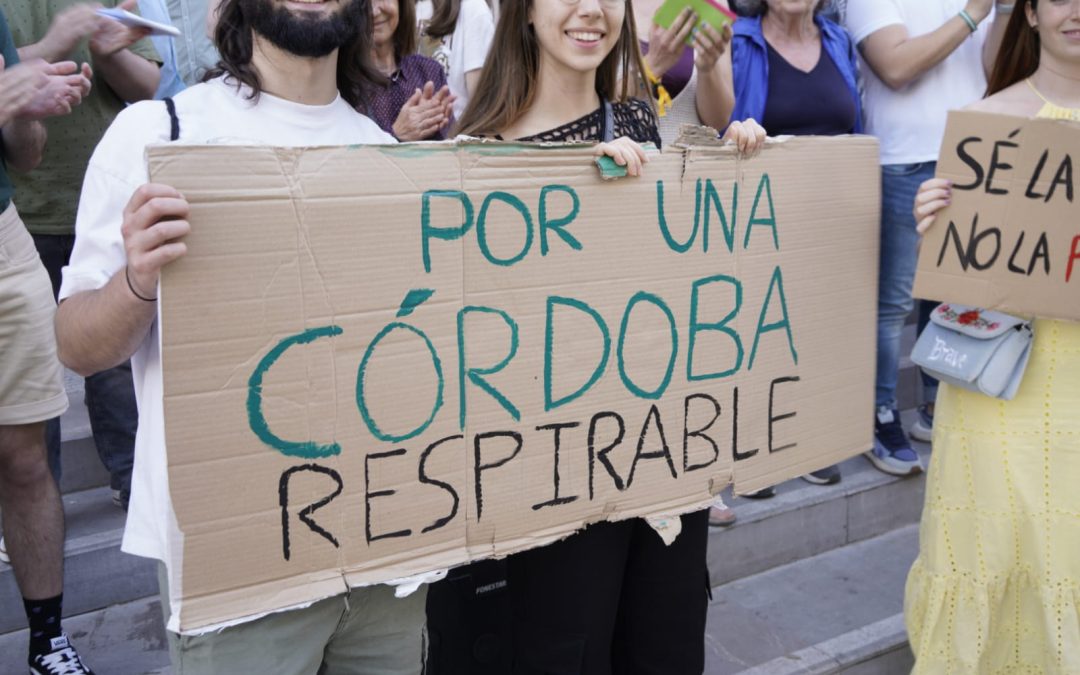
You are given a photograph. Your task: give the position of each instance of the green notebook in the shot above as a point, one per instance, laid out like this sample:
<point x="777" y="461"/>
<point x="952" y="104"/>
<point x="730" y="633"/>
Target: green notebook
<point x="708" y="12"/>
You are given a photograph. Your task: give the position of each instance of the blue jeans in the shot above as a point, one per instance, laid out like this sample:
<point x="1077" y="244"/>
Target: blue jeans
<point x="899" y="183"/>
<point x="110" y="394"/>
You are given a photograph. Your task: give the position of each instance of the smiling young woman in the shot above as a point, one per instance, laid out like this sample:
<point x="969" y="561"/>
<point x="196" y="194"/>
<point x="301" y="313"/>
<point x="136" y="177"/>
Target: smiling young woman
<point x="612" y="598"/>
<point x="994" y="589"/>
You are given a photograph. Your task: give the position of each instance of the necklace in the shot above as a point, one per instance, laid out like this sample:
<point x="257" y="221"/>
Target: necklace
<point x="1052" y="109"/>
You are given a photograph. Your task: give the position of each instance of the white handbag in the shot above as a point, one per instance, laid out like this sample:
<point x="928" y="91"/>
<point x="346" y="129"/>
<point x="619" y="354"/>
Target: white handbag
<point x="980" y="350"/>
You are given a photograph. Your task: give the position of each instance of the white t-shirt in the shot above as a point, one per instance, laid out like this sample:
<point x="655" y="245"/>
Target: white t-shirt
<point x="465" y="49"/>
<point x="213" y="112"/>
<point x="910" y="123"/>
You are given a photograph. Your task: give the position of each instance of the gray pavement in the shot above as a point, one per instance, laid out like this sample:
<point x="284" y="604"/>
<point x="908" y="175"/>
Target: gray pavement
<point x="811" y="616"/>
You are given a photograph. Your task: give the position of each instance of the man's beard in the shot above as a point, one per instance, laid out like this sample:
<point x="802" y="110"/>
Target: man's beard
<point x="298" y="33"/>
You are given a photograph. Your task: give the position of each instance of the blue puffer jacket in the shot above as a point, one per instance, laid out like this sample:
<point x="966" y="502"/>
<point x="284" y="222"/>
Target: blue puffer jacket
<point x="750" y="65"/>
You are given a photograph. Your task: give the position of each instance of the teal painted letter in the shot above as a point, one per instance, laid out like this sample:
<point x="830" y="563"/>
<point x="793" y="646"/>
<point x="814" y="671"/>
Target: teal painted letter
<point x="361" y="403"/>
<point x="481" y="227"/>
<point x="642" y="296"/>
<point x="558" y="225"/>
<point x="427" y="232"/>
<point x="777" y="283"/>
<point x="721" y="326"/>
<point x="661" y="219"/>
<point x="712" y="200"/>
<point x="549" y="345"/>
<point x="476" y="375"/>
<point x="764" y="186"/>
<point x="256" y="419"/>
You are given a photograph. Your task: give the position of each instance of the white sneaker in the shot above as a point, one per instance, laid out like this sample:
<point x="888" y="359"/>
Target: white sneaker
<point x="4" y="557"/>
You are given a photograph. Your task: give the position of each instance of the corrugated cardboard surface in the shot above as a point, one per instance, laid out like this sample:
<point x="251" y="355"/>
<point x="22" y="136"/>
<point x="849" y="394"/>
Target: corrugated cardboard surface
<point x="1010" y="239"/>
<point x="427" y="472"/>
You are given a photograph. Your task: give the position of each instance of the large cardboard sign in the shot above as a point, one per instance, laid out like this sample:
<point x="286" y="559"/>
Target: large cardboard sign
<point x="381" y="361"/>
<point x="1010" y="239"/>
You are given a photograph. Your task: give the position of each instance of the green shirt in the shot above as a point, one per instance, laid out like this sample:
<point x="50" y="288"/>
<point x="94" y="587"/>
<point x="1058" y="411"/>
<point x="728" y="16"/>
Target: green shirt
<point x="11" y="57"/>
<point x="49" y="196"/>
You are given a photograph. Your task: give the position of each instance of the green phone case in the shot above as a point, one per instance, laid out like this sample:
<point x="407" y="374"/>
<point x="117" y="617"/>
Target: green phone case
<point x="707" y="12"/>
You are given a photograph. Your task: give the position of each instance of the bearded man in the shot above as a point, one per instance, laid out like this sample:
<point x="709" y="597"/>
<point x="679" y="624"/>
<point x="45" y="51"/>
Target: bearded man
<point x="292" y="73"/>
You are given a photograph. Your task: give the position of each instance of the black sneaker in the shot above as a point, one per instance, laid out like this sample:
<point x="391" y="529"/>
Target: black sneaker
<point x="892" y="452"/>
<point x="830" y="475"/>
<point x="61" y="659"/>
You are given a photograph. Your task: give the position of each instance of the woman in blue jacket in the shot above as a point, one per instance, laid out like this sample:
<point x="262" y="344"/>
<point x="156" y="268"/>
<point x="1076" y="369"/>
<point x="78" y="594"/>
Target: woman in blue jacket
<point x="796" y="69"/>
<point x="795" y="72"/>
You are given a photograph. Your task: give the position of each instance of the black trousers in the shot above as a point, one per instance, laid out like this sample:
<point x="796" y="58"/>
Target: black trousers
<point x="110" y="394"/>
<point x="612" y="600"/>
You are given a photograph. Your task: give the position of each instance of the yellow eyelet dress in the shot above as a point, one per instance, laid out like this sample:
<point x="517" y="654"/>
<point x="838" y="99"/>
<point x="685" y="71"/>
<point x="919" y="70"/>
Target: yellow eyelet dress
<point x="996" y="586"/>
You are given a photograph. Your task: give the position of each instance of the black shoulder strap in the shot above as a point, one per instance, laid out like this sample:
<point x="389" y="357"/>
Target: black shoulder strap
<point x="174" y="121"/>
<point x="608" y="133"/>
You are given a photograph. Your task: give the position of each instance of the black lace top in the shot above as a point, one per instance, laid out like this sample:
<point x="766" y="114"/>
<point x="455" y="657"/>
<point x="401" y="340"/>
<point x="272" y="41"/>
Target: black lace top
<point x="634" y="119"/>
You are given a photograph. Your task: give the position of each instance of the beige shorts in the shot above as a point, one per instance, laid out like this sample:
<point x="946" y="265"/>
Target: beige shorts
<point x="367" y="631"/>
<point x="31" y="377"/>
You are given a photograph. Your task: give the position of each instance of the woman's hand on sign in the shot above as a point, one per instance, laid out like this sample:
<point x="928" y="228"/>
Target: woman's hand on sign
<point x="666" y="45"/>
<point x="933" y="195"/>
<point x="155" y="219"/>
<point x="748" y="136"/>
<point x="625" y="152"/>
<point x="709" y="45"/>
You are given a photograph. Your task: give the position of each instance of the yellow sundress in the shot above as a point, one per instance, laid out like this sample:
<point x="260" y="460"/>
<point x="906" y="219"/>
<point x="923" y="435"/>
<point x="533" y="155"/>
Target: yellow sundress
<point x="996" y="586"/>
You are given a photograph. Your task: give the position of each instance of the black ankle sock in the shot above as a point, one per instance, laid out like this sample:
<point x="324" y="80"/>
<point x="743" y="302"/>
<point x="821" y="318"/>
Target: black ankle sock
<point x="44" y="619"/>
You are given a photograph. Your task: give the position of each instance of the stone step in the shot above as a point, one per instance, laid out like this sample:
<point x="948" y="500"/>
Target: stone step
<point x="804" y="520"/>
<point x="837" y="612"/>
<point x="96" y="573"/>
<point x="82" y="470"/>
<point x="124" y="639"/>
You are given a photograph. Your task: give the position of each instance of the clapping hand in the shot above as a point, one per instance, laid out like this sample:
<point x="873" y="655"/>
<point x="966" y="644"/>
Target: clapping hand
<point x="67" y="84"/>
<point x="424" y="114"/>
<point x="18" y="87"/>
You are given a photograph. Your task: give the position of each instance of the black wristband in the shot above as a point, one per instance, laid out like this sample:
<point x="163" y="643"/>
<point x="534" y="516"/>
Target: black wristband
<point x="131" y="287"/>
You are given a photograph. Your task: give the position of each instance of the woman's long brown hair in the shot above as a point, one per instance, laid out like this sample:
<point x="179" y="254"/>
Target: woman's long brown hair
<point x="1018" y="57"/>
<point x="404" y="37"/>
<point x="508" y="80"/>
<point x="444" y="16"/>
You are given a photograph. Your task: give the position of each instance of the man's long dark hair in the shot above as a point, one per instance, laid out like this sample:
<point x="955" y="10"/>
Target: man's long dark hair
<point x="234" y="39"/>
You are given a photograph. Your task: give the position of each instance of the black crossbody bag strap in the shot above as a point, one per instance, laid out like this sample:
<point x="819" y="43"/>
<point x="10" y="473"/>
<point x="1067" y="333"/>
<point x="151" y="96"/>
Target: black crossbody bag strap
<point x="607" y="134"/>
<point x="174" y="121"/>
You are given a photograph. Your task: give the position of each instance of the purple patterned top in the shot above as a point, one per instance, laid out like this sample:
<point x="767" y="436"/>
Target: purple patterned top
<point x="413" y="73"/>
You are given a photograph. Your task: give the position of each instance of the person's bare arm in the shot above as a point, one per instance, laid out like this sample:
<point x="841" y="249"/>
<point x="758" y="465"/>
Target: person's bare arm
<point x="99" y="329"/>
<point x="472" y="80"/>
<point x="132" y="77"/>
<point x="715" y="96"/>
<point x="96" y="330"/>
<point x="67" y="29"/>
<point x="24" y="143"/>
<point x="899" y="59"/>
